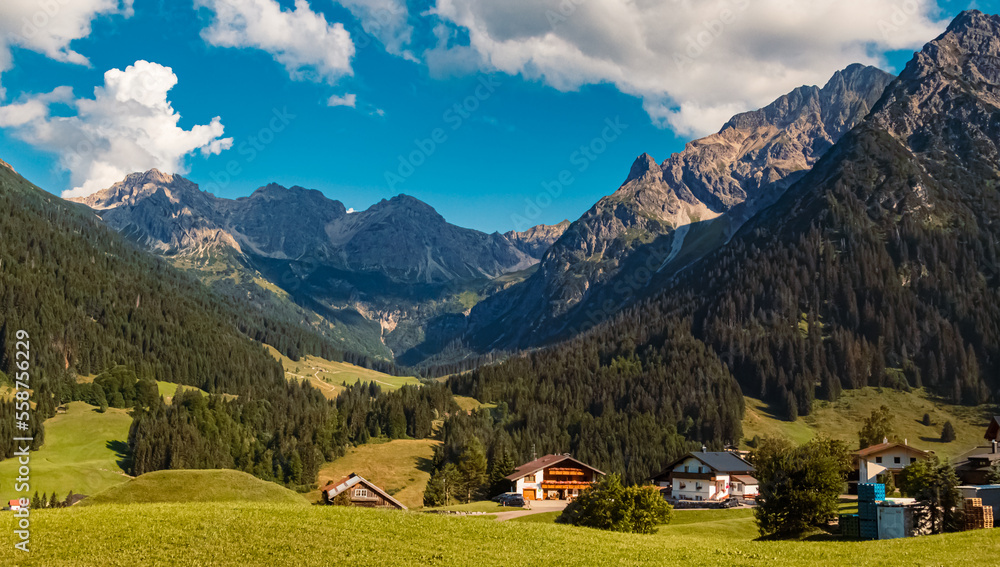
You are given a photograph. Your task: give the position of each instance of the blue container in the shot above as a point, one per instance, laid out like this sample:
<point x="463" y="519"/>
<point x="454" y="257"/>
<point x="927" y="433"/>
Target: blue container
<point x="871" y="492"/>
<point x="868" y="510"/>
<point x="868" y="529"/>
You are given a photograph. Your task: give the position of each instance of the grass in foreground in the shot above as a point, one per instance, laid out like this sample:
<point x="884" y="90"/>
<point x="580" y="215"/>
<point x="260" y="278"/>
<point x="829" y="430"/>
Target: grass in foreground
<point x="82" y="451"/>
<point x="842" y="420"/>
<point x="400" y="467"/>
<point x="482" y="506"/>
<point x="190" y="486"/>
<point x="328" y="376"/>
<point x="243" y="534"/>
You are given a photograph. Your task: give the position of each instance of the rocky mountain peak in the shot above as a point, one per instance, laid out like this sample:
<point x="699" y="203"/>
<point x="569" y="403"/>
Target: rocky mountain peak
<point x="969" y="48"/>
<point x="643" y="167"/>
<point x="141" y="185"/>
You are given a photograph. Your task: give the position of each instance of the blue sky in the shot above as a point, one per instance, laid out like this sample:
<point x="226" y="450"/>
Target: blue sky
<point x="539" y="134"/>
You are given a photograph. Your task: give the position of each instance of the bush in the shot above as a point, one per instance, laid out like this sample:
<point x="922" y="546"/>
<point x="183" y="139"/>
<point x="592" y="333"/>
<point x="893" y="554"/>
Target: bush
<point x="934" y="483"/>
<point x="608" y="505"/>
<point x="799" y="486"/>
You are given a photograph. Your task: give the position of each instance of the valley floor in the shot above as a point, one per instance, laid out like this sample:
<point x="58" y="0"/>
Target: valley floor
<point x="250" y="534"/>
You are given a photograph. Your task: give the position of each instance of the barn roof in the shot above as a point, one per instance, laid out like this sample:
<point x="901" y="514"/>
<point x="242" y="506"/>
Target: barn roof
<point x="332" y="489"/>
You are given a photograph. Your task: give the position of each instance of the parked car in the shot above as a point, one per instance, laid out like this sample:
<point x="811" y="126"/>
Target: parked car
<point x="506" y="495"/>
<point x="516" y="501"/>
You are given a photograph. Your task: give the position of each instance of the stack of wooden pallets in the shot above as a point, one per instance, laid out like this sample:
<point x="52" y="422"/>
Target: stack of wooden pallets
<point x="977" y="516"/>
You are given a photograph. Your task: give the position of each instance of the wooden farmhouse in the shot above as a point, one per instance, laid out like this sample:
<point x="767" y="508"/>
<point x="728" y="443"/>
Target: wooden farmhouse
<point x="886" y="456"/>
<point x="708" y="476"/>
<point x="552" y="477"/>
<point x="973" y="466"/>
<point x="356" y="491"/>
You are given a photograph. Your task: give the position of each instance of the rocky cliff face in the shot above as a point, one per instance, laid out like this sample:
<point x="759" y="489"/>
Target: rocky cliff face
<point x="402" y="239"/>
<point x="374" y="278"/>
<point x="688" y="205"/>
<point x="538" y="239"/>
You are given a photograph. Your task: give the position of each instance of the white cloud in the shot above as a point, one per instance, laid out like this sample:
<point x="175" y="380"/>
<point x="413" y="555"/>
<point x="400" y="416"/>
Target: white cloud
<point x="303" y="41"/>
<point x="349" y="99"/>
<point x="48" y="26"/>
<point x="693" y="62"/>
<point x="128" y="126"/>
<point x="386" y="20"/>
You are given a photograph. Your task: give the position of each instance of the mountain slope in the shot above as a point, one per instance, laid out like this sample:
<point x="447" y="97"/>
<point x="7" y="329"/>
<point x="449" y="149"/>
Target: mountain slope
<point x="672" y="213"/>
<point x="879" y="267"/>
<point x="376" y="281"/>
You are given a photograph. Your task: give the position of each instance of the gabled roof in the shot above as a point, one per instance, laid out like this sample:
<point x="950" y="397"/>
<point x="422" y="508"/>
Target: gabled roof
<point x="718" y="461"/>
<point x="745" y="479"/>
<point x="15" y="502"/>
<point x="543" y="462"/>
<point x="871" y="450"/>
<point x="332" y="489"/>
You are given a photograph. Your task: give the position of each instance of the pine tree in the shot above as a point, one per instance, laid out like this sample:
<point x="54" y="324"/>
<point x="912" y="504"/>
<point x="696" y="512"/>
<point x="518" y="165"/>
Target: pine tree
<point x="947" y="432"/>
<point x="472" y="469"/>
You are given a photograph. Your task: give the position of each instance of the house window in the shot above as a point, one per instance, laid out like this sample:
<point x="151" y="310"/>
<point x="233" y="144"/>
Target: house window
<point x="697" y="486"/>
<point x="685" y="468"/>
<point x="878" y="460"/>
<point x="682" y="485"/>
<point x="895" y="460"/>
<point x="699" y="468"/>
<point x="361" y="493"/>
<point x="529" y="478"/>
<point x="913" y="460"/>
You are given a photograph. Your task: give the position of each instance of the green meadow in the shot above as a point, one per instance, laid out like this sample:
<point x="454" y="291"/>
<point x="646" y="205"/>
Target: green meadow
<point x="83" y="451"/>
<point x="195" y="487"/>
<point x="249" y="534"/>
<point x="843" y="418"/>
<point x="329" y="376"/>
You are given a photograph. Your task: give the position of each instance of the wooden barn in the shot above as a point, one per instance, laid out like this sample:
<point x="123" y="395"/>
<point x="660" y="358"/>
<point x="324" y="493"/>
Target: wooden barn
<point x="356" y="491"/>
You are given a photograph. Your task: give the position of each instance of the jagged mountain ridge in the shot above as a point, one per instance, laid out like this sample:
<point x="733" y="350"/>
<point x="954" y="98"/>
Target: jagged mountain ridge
<point x="371" y="279"/>
<point x="688" y="205"/>
<point x="402" y="238"/>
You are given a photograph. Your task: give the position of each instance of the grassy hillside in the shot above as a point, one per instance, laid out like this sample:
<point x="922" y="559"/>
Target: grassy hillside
<point x="241" y="534"/>
<point x="328" y="376"/>
<point x="81" y="453"/>
<point x="401" y="467"/>
<point x="842" y="419"/>
<point x="169" y="389"/>
<point x="196" y="486"/>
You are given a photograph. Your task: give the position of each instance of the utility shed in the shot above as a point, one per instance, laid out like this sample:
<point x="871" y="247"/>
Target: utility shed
<point x="897" y="519"/>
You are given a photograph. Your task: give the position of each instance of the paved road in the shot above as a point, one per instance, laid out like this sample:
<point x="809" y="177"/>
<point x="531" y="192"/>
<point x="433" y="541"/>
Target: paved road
<point x="537" y="507"/>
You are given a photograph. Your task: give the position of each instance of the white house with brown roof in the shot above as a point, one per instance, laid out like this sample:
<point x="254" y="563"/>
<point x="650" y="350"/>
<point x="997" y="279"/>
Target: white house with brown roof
<point x="552" y="477"/>
<point x="887" y="456"/>
<point x="708" y="476"/>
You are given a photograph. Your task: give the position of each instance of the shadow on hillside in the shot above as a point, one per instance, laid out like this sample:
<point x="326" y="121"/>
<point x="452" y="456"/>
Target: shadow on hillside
<point x="426" y="465"/>
<point x="122" y="454"/>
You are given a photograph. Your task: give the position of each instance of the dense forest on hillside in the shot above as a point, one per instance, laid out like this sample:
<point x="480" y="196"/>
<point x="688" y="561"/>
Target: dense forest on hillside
<point x="90" y="300"/>
<point x="626" y="406"/>
<point x="283" y="433"/>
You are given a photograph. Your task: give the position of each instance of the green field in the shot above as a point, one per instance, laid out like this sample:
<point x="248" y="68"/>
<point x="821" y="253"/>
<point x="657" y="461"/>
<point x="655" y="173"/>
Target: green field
<point x="82" y="451"/>
<point x="328" y="376"/>
<point x="482" y="506"/>
<point x="250" y="534"/>
<point x="842" y="420"/>
<point x="400" y="467"/>
<point x="190" y="486"/>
